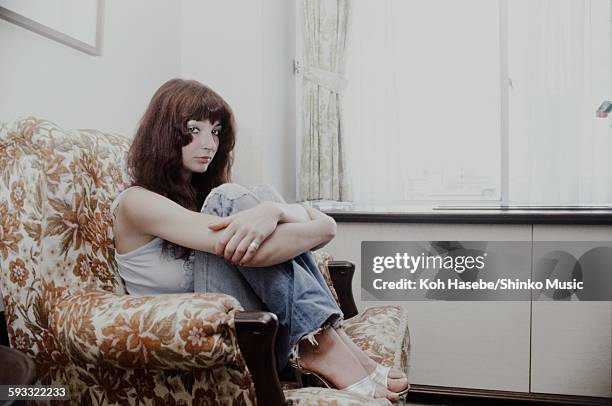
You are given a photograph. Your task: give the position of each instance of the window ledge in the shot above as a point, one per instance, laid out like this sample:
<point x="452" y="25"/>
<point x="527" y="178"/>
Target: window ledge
<point x="597" y="215"/>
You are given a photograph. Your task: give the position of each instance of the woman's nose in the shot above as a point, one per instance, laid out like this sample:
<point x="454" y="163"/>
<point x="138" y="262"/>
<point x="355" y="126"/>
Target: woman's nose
<point x="208" y="141"/>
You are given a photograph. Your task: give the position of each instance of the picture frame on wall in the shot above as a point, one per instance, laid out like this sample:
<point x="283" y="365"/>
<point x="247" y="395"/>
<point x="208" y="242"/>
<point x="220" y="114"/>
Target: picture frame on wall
<point x="75" y="23"/>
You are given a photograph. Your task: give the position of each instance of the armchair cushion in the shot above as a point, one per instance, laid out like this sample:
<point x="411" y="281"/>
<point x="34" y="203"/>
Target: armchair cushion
<point x="179" y="332"/>
<point x="323" y="259"/>
<point x="314" y="396"/>
<point x="382" y="332"/>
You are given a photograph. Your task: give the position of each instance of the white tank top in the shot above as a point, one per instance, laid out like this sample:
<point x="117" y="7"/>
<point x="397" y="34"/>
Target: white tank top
<point x="148" y="271"/>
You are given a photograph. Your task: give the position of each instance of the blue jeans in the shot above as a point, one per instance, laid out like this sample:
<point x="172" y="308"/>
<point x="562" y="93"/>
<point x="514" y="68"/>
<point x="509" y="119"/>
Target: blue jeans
<point x="294" y="290"/>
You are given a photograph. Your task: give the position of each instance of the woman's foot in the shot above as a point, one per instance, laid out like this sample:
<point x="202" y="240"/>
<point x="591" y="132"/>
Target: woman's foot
<point x="336" y="363"/>
<point x="397" y="381"/>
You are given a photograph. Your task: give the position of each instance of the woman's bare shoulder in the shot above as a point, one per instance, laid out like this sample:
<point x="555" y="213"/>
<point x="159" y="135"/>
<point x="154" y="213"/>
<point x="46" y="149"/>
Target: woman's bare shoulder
<point x="128" y="235"/>
<point x="140" y="192"/>
<point x="143" y="204"/>
<point x="148" y="213"/>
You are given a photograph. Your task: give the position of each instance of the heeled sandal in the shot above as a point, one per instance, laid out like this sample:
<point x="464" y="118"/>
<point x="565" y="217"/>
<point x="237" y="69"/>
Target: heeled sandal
<point x="364" y="387"/>
<point x="380" y="375"/>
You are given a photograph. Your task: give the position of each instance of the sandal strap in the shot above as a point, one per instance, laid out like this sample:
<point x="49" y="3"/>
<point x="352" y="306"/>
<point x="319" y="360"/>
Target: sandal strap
<point x="380" y="375"/>
<point x="364" y="387"/>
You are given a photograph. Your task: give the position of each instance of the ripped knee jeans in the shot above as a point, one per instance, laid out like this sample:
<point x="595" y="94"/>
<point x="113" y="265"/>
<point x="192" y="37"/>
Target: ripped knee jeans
<point x="294" y="290"/>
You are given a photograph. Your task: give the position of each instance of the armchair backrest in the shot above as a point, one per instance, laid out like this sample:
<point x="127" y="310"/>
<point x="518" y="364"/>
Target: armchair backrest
<point x="56" y="188"/>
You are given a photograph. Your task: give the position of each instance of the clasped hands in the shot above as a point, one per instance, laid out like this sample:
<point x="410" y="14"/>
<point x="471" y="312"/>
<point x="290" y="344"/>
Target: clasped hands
<point x="244" y="232"/>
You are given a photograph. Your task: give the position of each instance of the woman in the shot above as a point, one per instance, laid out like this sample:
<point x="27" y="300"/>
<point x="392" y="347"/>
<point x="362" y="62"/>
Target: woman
<point x="181" y="215"/>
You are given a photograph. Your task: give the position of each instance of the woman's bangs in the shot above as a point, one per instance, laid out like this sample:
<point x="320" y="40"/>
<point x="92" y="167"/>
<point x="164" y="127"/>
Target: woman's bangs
<point x="213" y="109"/>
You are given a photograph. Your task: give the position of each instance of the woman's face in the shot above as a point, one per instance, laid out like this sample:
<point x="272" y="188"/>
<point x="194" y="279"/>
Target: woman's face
<point x="198" y="154"/>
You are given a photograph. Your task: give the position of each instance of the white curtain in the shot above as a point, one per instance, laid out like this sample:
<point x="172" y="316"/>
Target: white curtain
<point x="559" y="51"/>
<point x="323" y="173"/>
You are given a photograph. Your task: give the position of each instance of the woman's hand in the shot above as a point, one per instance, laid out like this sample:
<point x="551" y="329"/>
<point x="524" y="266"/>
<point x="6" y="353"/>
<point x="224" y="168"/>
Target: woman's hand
<point x="245" y="231"/>
<point x="292" y="239"/>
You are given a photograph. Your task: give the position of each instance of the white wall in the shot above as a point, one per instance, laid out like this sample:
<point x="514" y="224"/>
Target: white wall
<point x="46" y="79"/>
<point x="244" y="51"/>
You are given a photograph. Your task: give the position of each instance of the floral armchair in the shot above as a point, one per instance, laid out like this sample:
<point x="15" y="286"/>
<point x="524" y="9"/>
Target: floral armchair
<point x="66" y="307"/>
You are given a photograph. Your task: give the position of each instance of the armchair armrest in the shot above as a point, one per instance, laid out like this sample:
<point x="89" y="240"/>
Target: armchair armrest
<point x="175" y="331"/>
<point x="341" y="273"/>
<point x="4" y="339"/>
<point x="257" y="335"/>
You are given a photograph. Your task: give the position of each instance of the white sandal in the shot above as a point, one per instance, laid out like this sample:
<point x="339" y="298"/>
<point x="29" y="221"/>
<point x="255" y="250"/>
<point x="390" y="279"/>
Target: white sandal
<point x="365" y="387"/>
<point x="380" y="375"/>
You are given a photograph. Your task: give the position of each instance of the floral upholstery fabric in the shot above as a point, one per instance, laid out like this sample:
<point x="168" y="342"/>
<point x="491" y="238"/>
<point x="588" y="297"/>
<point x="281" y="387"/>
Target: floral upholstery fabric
<point x="66" y="306"/>
<point x="327" y="397"/>
<point x="161" y="332"/>
<point x="323" y="259"/>
<point x="382" y="332"/>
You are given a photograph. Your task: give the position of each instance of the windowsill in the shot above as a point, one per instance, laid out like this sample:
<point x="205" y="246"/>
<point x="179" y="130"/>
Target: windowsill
<point x="468" y="214"/>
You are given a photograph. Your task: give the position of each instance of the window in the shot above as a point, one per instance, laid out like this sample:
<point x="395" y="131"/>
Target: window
<point x="478" y="100"/>
<point x="422" y="102"/>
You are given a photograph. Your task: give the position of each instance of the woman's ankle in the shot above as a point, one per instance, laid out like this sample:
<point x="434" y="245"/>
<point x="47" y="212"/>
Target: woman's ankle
<point x="368" y="363"/>
<point x="331" y="358"/>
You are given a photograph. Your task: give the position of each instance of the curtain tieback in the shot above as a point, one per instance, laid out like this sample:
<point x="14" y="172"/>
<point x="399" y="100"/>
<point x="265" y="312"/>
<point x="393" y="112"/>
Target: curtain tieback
<point x="324" y="78"/>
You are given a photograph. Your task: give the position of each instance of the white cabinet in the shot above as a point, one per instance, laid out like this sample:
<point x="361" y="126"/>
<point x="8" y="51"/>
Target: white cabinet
<point x="572" y="341"/>
<point x="545" y="347"/>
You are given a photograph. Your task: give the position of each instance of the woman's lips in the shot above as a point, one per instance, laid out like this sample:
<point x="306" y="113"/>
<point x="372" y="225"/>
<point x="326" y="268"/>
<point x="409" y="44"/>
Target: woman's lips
<point x="205" y="159"/>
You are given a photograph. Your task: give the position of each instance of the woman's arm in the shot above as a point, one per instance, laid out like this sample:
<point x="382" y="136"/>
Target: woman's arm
<point x="290" y="212"/>
<point x="149" y="213"/>
<point x="234" y="243"/>
<point x="155" y="215"/>
<point x="316" y="214"/>
<point x="292" y="239"/>
<point x="293" y="213"/>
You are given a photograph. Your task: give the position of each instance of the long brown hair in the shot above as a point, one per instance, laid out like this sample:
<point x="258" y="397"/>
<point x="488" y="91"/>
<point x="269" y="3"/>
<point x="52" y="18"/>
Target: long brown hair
<point x="155" y="158"/>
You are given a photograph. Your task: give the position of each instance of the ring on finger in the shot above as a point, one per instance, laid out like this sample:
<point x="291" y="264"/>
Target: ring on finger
<point x="254" y="245"/>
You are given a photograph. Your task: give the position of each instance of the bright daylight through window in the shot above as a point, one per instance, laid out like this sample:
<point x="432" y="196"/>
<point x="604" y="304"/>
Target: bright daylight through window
<point x="500" y="109"/>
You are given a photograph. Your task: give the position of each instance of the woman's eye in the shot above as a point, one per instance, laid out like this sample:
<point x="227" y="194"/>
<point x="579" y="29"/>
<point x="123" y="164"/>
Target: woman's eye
<point x="216" y="131"/>
<point x="193" y="130"/>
